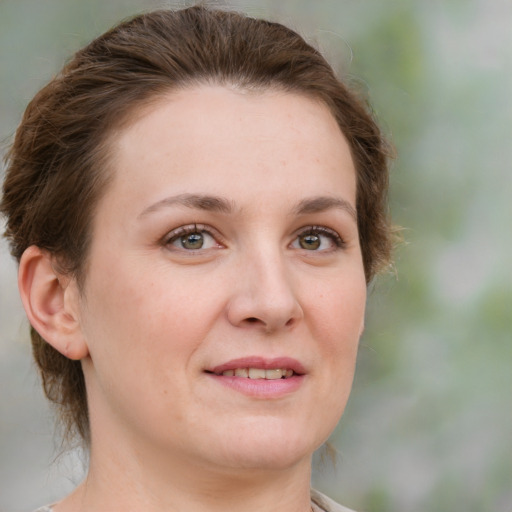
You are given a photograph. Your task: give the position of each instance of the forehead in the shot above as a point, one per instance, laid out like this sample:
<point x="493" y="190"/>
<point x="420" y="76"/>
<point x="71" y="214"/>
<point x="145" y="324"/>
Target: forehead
<point x="215" y="137"/>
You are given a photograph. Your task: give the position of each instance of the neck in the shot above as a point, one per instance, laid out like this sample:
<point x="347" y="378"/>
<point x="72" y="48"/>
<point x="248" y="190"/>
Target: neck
<point x="120" y="478"/>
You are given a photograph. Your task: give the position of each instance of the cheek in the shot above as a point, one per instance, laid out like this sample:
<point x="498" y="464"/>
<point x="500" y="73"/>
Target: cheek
<point x="337" y="323"/>
<point x="336" y="316"/>
<point x="134" y="314"/>
<point x="338" y="309"/>
<point x="142" y="333"/>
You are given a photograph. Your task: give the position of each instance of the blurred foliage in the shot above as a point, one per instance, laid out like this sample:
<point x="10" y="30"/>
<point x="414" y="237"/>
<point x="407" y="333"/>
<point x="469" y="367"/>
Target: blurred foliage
<point x="429" y="425"/>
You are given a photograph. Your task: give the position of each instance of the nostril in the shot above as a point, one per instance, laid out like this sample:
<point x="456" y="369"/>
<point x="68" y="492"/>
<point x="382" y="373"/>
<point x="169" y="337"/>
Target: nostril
<point x="252" y="320"/>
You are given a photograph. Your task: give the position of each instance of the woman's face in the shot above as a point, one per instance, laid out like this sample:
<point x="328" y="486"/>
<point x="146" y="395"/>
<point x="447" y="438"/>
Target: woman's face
<point x="225" y="290"/>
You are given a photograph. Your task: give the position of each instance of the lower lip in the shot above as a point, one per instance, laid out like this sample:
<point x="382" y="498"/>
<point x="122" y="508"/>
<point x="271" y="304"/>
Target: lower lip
<point x="261" y="388"/>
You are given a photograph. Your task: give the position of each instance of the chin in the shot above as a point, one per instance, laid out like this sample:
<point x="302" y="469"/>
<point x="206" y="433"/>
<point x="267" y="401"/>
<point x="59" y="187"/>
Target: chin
<point x="272" y="459"/>
<point x="270" y="447"/>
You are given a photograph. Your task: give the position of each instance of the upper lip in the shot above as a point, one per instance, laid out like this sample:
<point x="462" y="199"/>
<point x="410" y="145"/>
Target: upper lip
<point x="285" y="363"/>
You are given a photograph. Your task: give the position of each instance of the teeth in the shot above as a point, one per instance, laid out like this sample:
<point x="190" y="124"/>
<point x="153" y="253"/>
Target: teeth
<point x="274" y="374"/>
<point x="256" y="373"/>
<point x="259" y="373"/>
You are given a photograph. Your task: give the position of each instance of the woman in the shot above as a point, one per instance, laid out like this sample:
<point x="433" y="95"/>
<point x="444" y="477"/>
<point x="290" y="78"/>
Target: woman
<point x="197" y="204"/>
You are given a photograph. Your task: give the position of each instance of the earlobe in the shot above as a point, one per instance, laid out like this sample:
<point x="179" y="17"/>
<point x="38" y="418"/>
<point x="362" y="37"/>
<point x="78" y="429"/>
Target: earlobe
<point x="51" y="303"/>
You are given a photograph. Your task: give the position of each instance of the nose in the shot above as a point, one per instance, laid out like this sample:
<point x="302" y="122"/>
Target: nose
<point x="264" y="296"/>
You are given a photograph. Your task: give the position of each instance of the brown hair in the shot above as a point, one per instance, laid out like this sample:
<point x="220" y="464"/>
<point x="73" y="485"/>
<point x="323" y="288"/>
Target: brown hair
<point x="56" y="165"/>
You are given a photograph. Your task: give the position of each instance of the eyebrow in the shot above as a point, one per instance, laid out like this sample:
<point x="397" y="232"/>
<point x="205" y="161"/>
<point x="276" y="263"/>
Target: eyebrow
<point x="195" y="201"/>
<point x="324" y="203"/>
<point x="221" y="205"/>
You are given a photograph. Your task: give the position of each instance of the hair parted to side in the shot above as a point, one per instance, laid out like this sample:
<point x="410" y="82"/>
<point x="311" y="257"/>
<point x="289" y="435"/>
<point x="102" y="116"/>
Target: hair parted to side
<point x="57" y="167"/>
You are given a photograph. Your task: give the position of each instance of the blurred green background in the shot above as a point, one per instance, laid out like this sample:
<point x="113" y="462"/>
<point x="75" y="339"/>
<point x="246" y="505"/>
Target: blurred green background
<point x="429" y="424"/>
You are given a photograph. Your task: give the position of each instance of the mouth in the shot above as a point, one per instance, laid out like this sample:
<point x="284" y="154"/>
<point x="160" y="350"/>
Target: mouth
<point x="258" y="373"/>
<point x="256" y="368"/>
<point x="259" y="378"/>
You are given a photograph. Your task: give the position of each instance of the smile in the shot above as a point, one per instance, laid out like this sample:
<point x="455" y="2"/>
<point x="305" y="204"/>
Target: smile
<point x="259" y="373"/>
<point x="260" y="377"/>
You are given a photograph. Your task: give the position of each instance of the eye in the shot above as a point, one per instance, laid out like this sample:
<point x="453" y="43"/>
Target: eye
<point x="191" y="238"/>
<point x="318" y="238"/>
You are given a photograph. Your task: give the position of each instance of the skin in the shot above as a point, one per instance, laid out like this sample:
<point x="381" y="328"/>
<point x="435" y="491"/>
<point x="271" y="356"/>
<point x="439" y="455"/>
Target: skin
<point x="155" y="317"/>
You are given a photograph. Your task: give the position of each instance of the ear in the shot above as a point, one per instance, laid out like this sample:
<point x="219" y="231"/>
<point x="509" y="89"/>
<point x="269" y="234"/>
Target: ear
<point x="51" y="302"/>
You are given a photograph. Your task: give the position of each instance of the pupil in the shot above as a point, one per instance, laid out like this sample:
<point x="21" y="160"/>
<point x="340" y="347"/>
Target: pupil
<point x="192" y="241"/>
<point x="310" y="242"/>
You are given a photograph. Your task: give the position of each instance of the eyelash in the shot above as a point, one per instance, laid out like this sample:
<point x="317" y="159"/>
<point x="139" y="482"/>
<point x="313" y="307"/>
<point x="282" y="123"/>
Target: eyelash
<point x="322" y="230"/>
<point x="189" y="229"/>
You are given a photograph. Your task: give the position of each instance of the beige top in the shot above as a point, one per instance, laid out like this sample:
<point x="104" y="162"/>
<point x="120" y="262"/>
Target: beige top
<point x="319" y="503"/>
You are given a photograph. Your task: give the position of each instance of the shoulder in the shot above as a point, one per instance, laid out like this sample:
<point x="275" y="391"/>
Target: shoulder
<point x="325" y="504"/>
